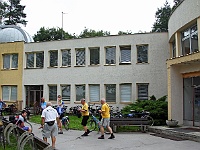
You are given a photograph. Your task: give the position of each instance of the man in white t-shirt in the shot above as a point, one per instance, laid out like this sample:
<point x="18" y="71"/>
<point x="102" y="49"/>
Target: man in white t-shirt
<point x="50" y="123"/>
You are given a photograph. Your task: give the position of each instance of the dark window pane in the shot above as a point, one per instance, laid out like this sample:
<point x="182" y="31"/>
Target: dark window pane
<point x="40" y="59"/>
<point x="66" y="92"/>
<point x="94" y="56"/>
<point x="53" y="58"/>
<point x="30" y="60"/>
<point x="53" y="93"/>
<point x="143" y="91"/>
<point x="142" y="53"/>
<point x="14" y="61"/>
<point x="80" y="57"/>
<point x="80" y="92"/>
<point x="110" y="55"/>
<point x="66" y="58"/>
<point x="6" y="61"/>
<point x="111" y="93"/>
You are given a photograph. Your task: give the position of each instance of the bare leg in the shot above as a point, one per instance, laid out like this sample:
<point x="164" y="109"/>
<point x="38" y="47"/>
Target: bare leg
<point x="85" y="128"/>
<point x="109" y="129"/>
<point x="102" y="130"/>
<point x="53" y="139"/>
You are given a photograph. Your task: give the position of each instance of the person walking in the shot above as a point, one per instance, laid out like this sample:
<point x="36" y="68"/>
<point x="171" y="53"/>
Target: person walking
<point x="43" y="104"/>
<point x="105" y="121"/>
<point x="85" y="114"/>
<point x="2" y="105"/>
<point x="60" y="111"/>
<point x="49" y="127"/>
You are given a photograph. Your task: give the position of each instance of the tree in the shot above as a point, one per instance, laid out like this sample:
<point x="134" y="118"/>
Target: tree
<point x="11" y="13"/>
<point x="92" y="33"/>
<point x="162" y="17"/>
<point x="49" y="34"/>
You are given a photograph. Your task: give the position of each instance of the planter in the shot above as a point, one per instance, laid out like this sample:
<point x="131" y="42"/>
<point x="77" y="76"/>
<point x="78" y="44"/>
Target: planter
<point x="172" y="123"/>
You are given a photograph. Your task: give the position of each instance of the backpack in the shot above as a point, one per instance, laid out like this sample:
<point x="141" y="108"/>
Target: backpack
<point x="13" y="119"/>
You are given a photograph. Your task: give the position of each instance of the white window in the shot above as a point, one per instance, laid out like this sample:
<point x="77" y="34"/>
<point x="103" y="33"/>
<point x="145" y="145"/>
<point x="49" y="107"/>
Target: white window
<point x="142" y="53"/>
<point x="66" y="90"/>
<point x="94" y="55"/>
<point x="66" y="57"/>
<point x="94" y="93"/>
<point x="80" y="92"/>
<point x="53" y="58"/>
<point x="80" y="57"/>
<point x="143" y="91"/>
<point x="110" y="92"/>
<point x="35" y="60"/>
<point x="125" y="92"/>
<point x="125" y="54"/>
<point x="9" y="93"/>
<point x="52" y="92"/>
<point x="10" y="61"/>
<point x="110" y="55"/>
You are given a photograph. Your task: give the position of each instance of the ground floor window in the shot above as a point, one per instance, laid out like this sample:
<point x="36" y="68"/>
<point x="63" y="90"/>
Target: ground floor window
<point x="125" y="92"/>
<point x="142" y="91"/>
<point x="9" y="93"/>
<point x="110" y="92"/>
<point x="52" y="92"/>
<point x="94" y="93"/>
<point x="66" y="90"/>
<point x="80" y="92"/>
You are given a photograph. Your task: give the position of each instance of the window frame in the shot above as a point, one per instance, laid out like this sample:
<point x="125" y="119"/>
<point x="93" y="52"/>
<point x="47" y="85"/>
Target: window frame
<point x="69" y="58"/>
<point x="147" y="51"/>
<point x="96" y="95"/>
<point x="126" y="48"/>
<point x="138" y="94"/>
<point x="108" y="99"/>
<point x="35" y="59"/>
<point x="106" y="55"/>
<point x="10" y="61"/>
<point x="10" y="92"/>
<point x="121" y="96"/>
<point x="55" y="60"/>
<point x="79" y="58"/>
<point x="63" y="97"/>
<point x="55" y="94"/>
<point x="98" y="55"/>
<point x="79" y="97"/>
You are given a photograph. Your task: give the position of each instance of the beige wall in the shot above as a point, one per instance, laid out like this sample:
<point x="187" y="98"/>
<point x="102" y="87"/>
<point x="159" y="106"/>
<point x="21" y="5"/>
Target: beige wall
<point x="12" y="76"/>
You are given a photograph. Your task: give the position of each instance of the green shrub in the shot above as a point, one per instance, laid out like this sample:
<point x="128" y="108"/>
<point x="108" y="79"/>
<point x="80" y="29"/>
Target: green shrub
<point x="157" y="108"/>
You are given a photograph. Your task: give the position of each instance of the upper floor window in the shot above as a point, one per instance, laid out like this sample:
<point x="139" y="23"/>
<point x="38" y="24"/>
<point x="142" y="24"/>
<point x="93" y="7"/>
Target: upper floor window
<point x="125" y="92"/>
<point x="174" y="48"/>
<point x="35" y="60"/>
<point x="10" y="61"/>
<point x="52" y="92"/>
<point x="142" y="91"/>
<point x="142" y="53"/>
<point x="53" y="58"/>
<point x="110" y="55"/>
<point x="80" y="57"/>
<point x="94" y="55"/>
<point x="9" y="93"/>
<point x="66" y="90"/>
<point x="94" y="91"/>
<point x="190" y="40"/>
<point x="80" y="92"/>
<point x="125" y="54"/>
<point x="110" y="92"/>
<point x="66" y="57"/>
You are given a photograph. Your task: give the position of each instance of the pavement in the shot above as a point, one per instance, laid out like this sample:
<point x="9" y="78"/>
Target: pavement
<point x="151" y="140"/>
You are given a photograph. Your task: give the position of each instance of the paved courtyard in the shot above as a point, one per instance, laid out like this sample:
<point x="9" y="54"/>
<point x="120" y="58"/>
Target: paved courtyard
<point x="124" y="141"/>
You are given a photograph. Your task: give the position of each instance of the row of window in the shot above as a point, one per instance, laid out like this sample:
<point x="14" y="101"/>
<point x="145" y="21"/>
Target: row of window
<point x="9" y="93"/>
<point x="189" y="41"/>
<point x="94" y="92"/>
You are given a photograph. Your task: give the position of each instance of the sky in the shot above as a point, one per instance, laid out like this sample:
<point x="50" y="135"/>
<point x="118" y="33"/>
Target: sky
<point x="107" y="15"/>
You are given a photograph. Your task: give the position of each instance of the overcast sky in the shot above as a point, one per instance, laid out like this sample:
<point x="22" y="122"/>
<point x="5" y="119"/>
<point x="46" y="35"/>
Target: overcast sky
<point x="106" y="15"/>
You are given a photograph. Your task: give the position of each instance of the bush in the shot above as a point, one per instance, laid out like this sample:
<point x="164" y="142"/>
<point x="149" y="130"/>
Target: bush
<point x="158" y="109"/>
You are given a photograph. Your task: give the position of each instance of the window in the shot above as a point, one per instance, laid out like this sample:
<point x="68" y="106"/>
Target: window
<point x="66" y="89"/>
<point x="35" y="60"/>
<point x="9" y="93"/>
<point x="110" y="92"/>
<point x="125" y="54"/>
<point x="110" y="55"/>
<point x="94" y="93"/>
<point x="125" y="92"/>
<point x="143" y="91"/>
<point x="66" y="57"/>
<point x="52" y="93"/>
<point x="94" y="55"/>
<point x="10" y="61"/>
<point x="190" y="40"/>
<point x="80" y="57"/>
<point x="80" y="92"/>
<point x="53" y="58"/>
<point x="142" y="53"/>
<point x="174" y="48"/>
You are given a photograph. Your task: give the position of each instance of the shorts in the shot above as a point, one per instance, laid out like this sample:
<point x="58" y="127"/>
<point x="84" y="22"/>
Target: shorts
<point x="50" y="131"/>
<point x="84" y="120"/>
<point x="25" y="128"/>
<point x="61" y="116"/>
<point x="105" y="122"/>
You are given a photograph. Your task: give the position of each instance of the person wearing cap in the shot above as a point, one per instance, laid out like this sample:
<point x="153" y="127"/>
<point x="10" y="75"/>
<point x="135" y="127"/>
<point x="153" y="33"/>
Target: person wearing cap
<point x="21" y="120"/>
<point x="85" y="114"/>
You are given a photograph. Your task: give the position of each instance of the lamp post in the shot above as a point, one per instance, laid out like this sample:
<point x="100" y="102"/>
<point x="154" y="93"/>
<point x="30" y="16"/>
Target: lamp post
<point x="62" y="23"/>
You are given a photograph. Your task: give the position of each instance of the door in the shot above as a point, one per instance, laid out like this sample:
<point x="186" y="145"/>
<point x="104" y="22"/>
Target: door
<point x="197" y="106"/>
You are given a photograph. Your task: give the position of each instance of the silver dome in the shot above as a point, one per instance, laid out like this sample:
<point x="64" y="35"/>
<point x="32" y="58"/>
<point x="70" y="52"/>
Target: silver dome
<point x="11" y="33"/>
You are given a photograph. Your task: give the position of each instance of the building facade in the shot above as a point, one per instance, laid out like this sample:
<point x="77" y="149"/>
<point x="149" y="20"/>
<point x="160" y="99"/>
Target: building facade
<point x="183" y="66"/>
<point x="120" y="68"/>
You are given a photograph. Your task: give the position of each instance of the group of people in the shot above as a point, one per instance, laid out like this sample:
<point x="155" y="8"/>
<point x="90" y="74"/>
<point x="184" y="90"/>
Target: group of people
<point x="51" y="119"/>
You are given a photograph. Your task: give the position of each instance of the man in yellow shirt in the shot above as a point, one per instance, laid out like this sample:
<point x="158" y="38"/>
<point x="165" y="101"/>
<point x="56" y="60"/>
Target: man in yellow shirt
<point x="85" y="114"/>
<point x="105" y="121"/>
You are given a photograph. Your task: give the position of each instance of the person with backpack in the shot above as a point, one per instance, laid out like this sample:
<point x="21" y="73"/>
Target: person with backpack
<point x="21" y="120"/>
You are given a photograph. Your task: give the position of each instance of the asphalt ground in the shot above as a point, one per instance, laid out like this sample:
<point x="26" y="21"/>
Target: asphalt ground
<point x="72" y="139"/>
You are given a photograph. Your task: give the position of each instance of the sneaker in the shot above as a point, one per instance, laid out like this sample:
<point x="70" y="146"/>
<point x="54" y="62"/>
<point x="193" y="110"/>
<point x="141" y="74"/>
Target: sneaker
<point x="88" y="131"/>
<point x="60" y="132"/>
<point x="85" y="134"/>
<point x="111" y="137"/>
<point x="101" y="137"/>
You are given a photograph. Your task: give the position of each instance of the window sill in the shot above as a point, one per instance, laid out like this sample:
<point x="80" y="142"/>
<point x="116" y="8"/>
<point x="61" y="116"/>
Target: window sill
<point x="94" y="65"/>
<point x="9" y="69"/>
<point x="126" y="102"/>
<point x="53" y="67"/>
<point x="125" y="63"/>
<point x="34" y="68"/>
<point x="110" y="65"/>
<point x="65" y="66"/>
<point x="79" y="66"/>
<point x="142" y="63"/>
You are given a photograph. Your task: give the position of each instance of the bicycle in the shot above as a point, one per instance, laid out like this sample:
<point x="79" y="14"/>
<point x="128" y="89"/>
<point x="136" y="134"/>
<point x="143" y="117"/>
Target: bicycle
<point x="65" y="122"/>
<point x="93" y="123"/>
